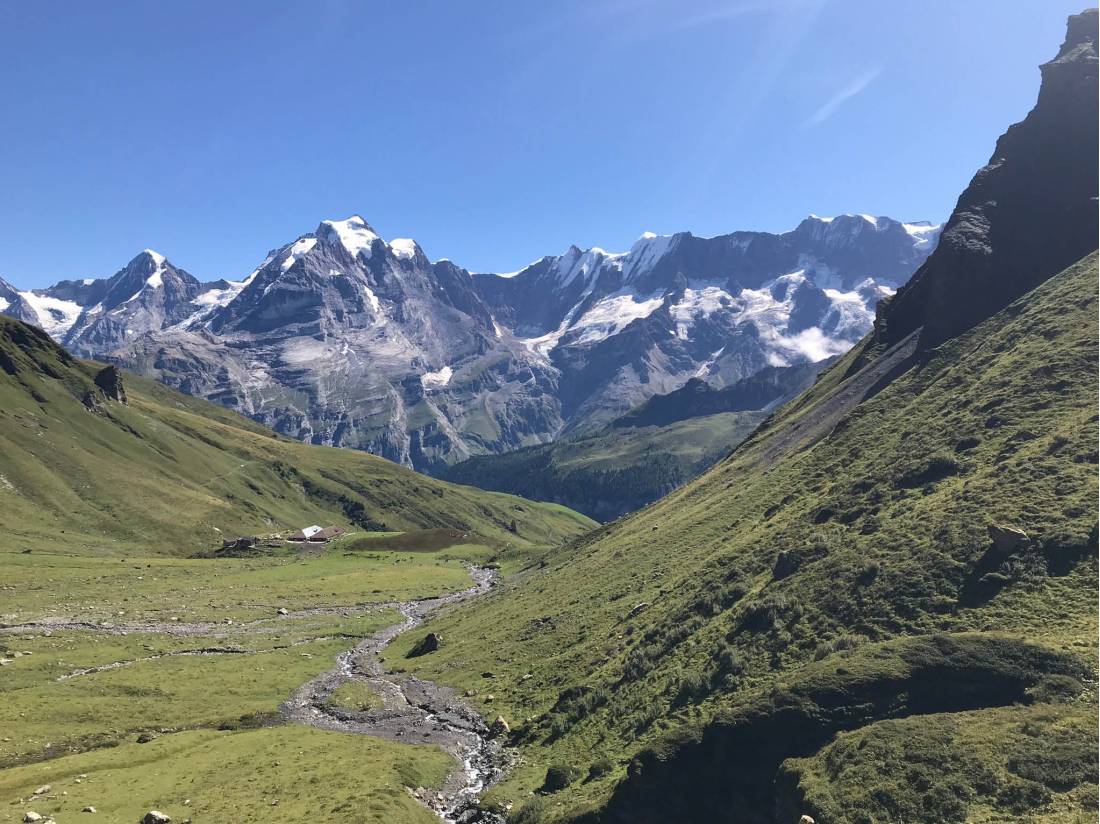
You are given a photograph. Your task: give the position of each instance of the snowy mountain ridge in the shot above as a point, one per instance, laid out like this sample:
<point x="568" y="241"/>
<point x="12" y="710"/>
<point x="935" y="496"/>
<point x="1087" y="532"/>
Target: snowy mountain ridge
<point x="342" y="338"/>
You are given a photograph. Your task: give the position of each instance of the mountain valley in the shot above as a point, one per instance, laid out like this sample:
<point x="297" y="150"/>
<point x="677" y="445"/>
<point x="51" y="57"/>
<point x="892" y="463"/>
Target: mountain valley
<point x="759" y="528"/>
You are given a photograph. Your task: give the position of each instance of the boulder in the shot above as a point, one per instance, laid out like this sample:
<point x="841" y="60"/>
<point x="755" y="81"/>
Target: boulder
<point x="89" y="809"/>
<point x="429" y="643"/>
<point x="806" y="820"/>
<point x="637" y="609"/>
<point x="283" y="611"/>
<point x="499" y="727"/>
<point x="30" y="815"/>
<point x="786" y="564"/>
<point x="1007" y="538"/>
<point x="146" y="737"/>
<point x="109" y="381"/>
<point x="155" y="817"/>
<point x="45" y="788"/>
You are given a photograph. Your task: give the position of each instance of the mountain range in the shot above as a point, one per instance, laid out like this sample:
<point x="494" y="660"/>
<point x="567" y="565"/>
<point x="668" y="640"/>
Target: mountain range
<point x="341" y="338"/>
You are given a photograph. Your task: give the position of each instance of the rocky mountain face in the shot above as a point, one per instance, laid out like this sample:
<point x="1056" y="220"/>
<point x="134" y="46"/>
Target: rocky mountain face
<point x="13" y="304"/>
<point x="344" y="339"/>
<point x="1028" y="214"/>
<point x="620" y="328"/>
<point x="763" y="390"/>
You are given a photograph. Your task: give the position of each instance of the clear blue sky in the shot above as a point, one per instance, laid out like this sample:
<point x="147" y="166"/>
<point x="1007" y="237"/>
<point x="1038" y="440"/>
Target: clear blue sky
<point x="493" y="132"/>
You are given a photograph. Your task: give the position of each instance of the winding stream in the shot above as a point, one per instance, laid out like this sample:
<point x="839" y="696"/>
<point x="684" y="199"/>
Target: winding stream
<point x="413" y="711"/>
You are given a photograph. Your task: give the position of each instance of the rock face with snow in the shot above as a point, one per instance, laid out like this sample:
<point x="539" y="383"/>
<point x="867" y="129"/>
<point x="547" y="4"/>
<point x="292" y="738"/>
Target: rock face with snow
<point x="622" y="327"/>
<point x="147" y="295"/>
<point x="14" y="304"/>
<point x="344" y="339"/>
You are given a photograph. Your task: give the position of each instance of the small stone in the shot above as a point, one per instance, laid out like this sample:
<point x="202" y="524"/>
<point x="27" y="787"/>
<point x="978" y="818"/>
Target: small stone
<point x="489" y="699"/>
<point x="155" y="817"/>
<point x="283" y="611"/>
<point x="146" y="737"/>
<point x="806" y="820"/>
<point x="30" y="815"/>
<point x="499" y="727"/>
<point x="45" y="788"/>
<point x="89" y="809"/>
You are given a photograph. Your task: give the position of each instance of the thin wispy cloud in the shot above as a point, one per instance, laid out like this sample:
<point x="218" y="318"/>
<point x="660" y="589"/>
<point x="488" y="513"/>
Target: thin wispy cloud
<point x="731" y="11"/>
<point x="842" y="96"/>
<point x="719" y="15"/>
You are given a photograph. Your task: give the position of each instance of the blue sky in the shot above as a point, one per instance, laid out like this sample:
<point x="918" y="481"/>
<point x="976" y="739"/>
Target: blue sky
<point x="493" y="133"/>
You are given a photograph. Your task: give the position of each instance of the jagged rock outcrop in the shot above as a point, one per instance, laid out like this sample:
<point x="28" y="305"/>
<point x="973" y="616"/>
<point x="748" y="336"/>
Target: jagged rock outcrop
<point x="1027" y="215"/>
<point x="109" y="381"/>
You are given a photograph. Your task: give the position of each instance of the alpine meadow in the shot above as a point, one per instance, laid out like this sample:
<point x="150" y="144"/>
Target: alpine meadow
<point x="755" y="527"/>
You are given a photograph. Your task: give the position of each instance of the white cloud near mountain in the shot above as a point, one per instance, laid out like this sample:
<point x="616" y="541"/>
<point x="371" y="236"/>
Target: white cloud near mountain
<point x="842" y="96"/>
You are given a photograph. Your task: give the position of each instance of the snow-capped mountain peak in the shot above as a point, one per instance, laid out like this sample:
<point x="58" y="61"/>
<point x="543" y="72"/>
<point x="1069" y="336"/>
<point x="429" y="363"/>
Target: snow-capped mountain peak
<point x="354" y="234"/>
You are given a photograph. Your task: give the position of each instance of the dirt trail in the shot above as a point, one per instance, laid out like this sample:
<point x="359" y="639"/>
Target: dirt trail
<point x="413" y="711"/>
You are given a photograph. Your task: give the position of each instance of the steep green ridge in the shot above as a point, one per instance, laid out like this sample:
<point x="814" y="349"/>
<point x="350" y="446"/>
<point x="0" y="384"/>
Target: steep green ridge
<point x="164" y="472"/>
<point x="835" y="569"/>
<point x="613" y="471"/>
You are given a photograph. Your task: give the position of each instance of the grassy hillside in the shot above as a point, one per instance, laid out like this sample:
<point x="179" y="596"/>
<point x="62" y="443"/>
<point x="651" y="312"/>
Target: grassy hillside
<point x="164" y="472"/>
<point x="611" y="472"/>
<point x="821" y="623"/>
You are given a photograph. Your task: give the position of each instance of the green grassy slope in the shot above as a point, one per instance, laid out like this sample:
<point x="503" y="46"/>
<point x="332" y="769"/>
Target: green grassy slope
<point x="166" y="472"/>
<point x="694" y="661"/>
<point x="613" y="471"/>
